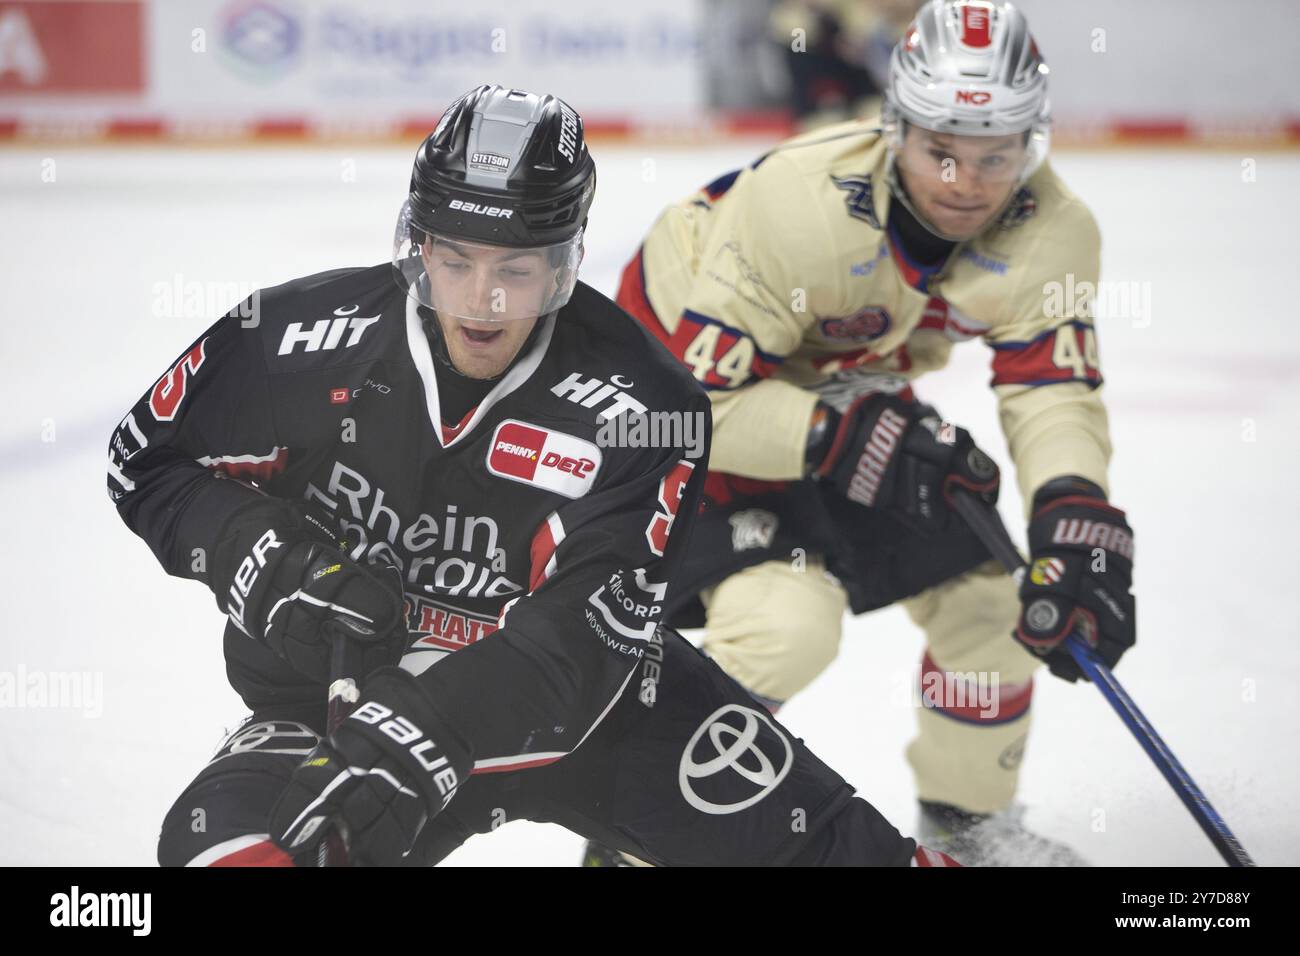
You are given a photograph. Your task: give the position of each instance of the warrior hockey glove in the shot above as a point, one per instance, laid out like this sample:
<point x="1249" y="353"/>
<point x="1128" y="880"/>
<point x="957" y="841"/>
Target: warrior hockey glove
<point x="900" y="456"/>
<point x="1079" y="576"/>
<point x="385" y="771"/>
<point x="281" y="575"/>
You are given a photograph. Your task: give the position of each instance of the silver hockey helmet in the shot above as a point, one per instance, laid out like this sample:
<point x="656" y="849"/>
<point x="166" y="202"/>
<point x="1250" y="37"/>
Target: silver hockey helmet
<point x="970" y="68"/>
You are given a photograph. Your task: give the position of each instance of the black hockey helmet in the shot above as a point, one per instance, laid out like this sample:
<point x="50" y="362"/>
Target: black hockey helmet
<point x="505" y="179"/>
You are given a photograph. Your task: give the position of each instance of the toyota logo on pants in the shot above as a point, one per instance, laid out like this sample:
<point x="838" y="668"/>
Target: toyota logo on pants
<point x="739" y="757"/>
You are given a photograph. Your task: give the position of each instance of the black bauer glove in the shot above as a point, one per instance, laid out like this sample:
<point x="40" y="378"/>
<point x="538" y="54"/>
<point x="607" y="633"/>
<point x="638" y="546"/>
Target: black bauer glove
<point x="281" y="574"/>
<point x="900" y="456"/>
<point x="385" y="771"/>
<point x="1079" y="577"/>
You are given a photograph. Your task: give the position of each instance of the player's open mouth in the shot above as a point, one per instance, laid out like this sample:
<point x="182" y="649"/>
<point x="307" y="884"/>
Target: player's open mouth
<point x="961" y="210"/>
<point x="479" y="338"/>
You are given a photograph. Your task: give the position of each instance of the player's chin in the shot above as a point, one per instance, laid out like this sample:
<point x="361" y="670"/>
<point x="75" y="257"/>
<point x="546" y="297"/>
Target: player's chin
<point x="477" y="366"/>
<point x="482" y="362"/>
<point x="965" y="223"/>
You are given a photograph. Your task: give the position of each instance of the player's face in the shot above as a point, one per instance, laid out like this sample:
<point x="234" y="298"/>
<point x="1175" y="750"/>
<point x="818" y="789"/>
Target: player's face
<point x="487" y="300"/>
<point x="959" y="183"/>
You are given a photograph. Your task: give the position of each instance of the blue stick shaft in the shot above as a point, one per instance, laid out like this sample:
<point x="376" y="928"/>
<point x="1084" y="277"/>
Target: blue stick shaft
<point x="1205" y="815"/>
<point x="987" y="525"/>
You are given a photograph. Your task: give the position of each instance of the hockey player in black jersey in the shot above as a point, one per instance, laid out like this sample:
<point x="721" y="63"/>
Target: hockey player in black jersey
<point x="418" y="456"/>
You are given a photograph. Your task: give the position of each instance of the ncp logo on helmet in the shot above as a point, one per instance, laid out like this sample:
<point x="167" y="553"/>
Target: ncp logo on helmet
<point x="966" y="114"/>
<point x="489" y="239"/>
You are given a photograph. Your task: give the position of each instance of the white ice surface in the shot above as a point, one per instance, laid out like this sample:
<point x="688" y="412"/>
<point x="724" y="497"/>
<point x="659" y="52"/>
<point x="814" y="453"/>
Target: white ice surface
<point x="1216" y="664"/>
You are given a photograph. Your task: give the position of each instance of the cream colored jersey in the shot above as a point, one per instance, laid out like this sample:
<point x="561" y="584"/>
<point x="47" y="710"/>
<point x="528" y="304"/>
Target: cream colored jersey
<point x="781" y="284"/>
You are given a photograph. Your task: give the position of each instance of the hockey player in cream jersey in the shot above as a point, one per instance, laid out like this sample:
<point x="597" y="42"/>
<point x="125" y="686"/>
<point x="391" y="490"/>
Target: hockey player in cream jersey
<point x="806" y="293"/>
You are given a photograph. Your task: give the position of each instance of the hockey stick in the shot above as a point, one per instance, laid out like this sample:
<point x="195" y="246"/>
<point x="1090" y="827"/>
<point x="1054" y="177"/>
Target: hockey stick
<point x="343" y="697"/>
<point x="987" y="524"/>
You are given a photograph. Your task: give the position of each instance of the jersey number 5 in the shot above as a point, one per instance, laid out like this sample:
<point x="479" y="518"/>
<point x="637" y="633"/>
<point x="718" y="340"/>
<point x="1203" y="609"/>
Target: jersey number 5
<point x="671" y="487"/>
<point x="167" y="394"/>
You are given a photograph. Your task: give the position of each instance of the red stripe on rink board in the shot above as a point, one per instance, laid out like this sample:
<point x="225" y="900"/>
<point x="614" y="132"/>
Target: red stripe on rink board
<point x="419" y="127"/>
<point x="759" y="122"/>
<point x="415" y="127"/>
<point x="613" y="128"/>
<point x="1151" y="129"/>
<point x="143" y="128"/>
<point x="295" y="128"/>
<point x="1275" y="131"/>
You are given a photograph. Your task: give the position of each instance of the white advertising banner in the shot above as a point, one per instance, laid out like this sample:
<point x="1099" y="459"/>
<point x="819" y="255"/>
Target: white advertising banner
<point x="394" y="58"/>
<point x="382" y="61"/>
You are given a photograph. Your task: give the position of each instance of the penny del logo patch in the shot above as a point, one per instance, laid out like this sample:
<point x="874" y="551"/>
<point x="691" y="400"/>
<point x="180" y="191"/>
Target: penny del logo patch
<point x="555" y="461"/>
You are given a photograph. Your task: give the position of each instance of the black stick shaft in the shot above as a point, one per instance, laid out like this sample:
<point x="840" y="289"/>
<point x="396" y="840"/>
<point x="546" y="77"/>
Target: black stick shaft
<point x="343" y="697"/>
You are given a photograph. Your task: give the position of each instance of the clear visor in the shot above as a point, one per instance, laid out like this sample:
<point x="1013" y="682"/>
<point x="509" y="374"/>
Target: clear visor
<point x="965" y="158"/>
<point x="956" y="158"/>
<point x="479" y="281"/>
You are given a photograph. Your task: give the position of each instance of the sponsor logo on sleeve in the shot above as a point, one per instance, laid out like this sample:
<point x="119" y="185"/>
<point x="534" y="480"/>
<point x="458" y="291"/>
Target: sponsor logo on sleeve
<point x="547" y="459"/>
<point x="629" y="608"/>
<point x="127" y="441"/>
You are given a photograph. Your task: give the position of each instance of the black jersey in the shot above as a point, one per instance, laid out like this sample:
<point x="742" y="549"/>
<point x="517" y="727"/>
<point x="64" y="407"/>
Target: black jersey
<point x="530" y="546"/>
